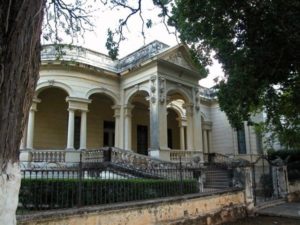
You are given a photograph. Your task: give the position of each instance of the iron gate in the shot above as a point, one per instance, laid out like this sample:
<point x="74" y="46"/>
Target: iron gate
<point x="265" y="181"/>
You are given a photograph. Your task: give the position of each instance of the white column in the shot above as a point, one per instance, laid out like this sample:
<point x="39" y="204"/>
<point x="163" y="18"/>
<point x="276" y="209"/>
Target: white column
<point x="189" y="129"/>
<point x="30" y="125"/>
<point x="182" y="125"/>
<point x="70" y="141"/>
<point x="23" y="140"/>
<point x="182" y="144"/>
<point x="83" y="130"/>
<point x="209" y="150"/>
<point x="30" y="129"/>
<point x="116" y="108"/>
<point x="197" y="130"/>
<point x="128" y="130"/>
<point x="77" y="104"/>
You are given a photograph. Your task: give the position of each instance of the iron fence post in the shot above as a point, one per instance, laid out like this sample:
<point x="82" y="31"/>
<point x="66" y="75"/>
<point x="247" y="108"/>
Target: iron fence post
<point x="180" y="174"/>
<point x="79" y="203"/>
<point x="107" y="155"/>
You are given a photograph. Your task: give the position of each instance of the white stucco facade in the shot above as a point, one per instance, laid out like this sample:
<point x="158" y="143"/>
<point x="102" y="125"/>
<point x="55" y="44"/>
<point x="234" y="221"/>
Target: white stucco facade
<point x="149" y="102"/>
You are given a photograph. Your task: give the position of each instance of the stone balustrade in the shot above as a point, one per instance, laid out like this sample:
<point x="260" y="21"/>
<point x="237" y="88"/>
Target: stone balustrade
<point x="183" y="155"/>
<point x="48" y="155"/>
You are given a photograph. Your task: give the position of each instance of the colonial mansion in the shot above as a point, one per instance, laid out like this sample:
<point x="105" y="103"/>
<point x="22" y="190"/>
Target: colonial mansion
<point x="149" y="102"/>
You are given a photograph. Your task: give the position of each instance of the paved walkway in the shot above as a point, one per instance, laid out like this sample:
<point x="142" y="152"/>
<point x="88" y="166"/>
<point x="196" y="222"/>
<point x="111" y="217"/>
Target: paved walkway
<point x="289" y="210"/>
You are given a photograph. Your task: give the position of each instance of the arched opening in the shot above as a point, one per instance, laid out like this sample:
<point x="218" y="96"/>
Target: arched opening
<point x="177" y="94"/>
<point x="140" y="123"/>
<point x="51" y="120"/>
<point x="173" y="129"/>
<point x="176" y="119"/>
<point x="100" y="122"/>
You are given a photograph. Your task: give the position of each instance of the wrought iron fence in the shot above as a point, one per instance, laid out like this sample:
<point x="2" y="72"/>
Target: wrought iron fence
<point x="104" y="178"/>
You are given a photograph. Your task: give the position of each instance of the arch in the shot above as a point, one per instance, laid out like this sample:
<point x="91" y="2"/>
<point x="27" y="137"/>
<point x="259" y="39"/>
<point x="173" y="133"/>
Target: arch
<point x="104" y="91"/>
<point x="48" y="84"/>
<point x="182" y="92"/>
<point x="51" y="119"/>
<point x="132" y="92"/>
<point x="177" y="109"/>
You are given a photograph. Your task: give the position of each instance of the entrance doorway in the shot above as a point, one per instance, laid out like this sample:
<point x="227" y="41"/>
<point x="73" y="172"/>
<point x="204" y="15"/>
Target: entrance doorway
<point x="142" y="140"/>
<point x="109" y="134"/>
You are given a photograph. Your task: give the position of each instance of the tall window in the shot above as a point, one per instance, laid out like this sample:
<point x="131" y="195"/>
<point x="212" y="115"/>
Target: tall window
<point x="241" y="138"/>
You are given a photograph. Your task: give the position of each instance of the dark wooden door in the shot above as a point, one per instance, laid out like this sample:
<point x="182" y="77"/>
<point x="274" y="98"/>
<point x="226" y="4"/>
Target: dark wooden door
<point x="142" y="140"/>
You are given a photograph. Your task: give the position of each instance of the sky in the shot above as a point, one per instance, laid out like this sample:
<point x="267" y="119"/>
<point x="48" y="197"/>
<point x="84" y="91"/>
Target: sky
<point x="106" y="18"/>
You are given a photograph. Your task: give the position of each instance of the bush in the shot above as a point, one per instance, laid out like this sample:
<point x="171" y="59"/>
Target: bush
<point x="39" y="194"/>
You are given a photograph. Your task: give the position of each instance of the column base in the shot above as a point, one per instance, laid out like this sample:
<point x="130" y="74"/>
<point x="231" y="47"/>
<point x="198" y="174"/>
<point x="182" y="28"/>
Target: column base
<point x="162" y="154"/>
<point x="25" y="155"/>
<point x="72" y="156"/>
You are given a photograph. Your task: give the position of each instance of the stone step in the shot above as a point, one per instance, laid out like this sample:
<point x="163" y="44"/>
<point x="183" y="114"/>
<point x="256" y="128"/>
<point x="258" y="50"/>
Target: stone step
<point x="266" y="204"/>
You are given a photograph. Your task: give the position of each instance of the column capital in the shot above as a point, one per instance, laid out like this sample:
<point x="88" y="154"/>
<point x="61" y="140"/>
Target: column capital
<point x="128" y="106"/>
<point x="188" y="108"/>
<point x="127" y="109"/>
<point x="35" y="101"/>
<point x="76" y="103"/>
<point x="182" y="122"/>
<point x="116" y="109"/>
<point x="207" y="125"/>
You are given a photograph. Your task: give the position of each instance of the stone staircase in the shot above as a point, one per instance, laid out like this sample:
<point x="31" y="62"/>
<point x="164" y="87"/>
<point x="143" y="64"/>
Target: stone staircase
<point x="217" y="177"/>
<point x="136" y="165"/>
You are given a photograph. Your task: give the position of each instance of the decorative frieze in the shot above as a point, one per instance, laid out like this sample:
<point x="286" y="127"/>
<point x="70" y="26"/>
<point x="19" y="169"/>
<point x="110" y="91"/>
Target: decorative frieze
<point x="162" y="89"/>
<point x="197" y="98"/>
<point x="152" y="97"/>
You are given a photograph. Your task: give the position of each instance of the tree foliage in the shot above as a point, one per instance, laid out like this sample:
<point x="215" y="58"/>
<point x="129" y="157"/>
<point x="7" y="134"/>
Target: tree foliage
<point x="134" y="8"/>
<point x="258" y="44"/>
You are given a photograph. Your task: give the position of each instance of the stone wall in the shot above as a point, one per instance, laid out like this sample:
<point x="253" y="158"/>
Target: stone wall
<point x="193" y="209"/>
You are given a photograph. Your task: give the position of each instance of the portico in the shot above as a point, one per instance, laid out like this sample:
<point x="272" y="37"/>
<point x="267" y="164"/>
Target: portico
<point x="148" y="105"/>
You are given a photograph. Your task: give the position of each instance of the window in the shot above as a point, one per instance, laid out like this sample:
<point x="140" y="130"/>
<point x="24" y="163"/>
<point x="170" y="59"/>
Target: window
<point x="241" y="141"/>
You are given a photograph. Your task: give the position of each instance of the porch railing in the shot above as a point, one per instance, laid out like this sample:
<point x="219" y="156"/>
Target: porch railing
<point x="183" y="155"/>
<point x="48" y="155"/>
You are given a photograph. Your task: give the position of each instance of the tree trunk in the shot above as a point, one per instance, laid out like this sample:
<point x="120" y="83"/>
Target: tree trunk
<point x="20" y="31"/>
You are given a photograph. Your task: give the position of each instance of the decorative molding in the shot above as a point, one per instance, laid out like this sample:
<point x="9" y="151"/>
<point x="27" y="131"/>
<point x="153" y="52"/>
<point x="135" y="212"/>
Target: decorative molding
<point x="162" y="89"/>
<point x="178" y="58"/>
<point x="153" y="89"/>
<point x="117" y="109"/>
<point x="51" y="82"/>
<point x="80" y="104"/>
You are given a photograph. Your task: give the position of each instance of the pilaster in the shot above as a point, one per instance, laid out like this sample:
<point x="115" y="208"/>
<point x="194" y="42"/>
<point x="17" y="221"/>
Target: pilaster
<point x="158" y="118"/>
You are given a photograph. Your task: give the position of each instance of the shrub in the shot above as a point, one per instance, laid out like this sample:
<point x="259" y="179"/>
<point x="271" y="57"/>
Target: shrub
<point x="39" y="194"/>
